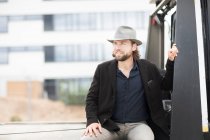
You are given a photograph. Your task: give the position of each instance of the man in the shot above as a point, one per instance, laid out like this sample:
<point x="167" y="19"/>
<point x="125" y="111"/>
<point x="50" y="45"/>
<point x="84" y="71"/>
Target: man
<point x="124" y="100"/>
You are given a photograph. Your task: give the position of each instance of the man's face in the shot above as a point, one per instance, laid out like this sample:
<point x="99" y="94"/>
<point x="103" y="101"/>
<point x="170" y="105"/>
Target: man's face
<point x="123" y="49"/>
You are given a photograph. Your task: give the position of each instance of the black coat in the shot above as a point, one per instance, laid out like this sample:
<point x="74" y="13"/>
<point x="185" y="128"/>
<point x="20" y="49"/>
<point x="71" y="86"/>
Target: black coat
<point x="101" y="96"/>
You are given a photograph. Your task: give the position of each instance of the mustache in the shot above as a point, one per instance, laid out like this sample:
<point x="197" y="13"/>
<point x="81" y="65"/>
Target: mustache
<point x="113" y="53"/>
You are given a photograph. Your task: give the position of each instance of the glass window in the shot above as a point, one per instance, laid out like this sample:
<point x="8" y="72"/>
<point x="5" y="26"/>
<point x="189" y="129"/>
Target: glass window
<point x="69" y="20"/>
<point x="60" y="54"/>
<point x="34" y="48"/>
<point x="131" y="19"/>
<point x="72" y="53"/>
<point x="4" y="56"/>
<point x="16" y="18"/>
<point x="60" y="22"/>
<point x="51" y="89"/>
<point x="118" y="19"/>
<point x="87" y="21"/>
<point x="84" y="85"/>
<point x="72" y="22"/>
<point x="73" y="86"/>
<point x="85" y="52"/>
<point x="48" y="22"/>
<point x="108" y="52"/>
<point x="30" y="17"/>
<point x="97" y="52"/>
<point x="92" y="21"/>
<point x="17" y="49"/>
<point x="84" y="21"/>
<point x="77" y="52"/>
<point x="73" y="91"/>
<point x="93" y="52"/>
<point x="25" y="49"/>
<point x="33" y="17"/>
<point x="107" y="21"/>
<point x="49" y="52"/>
<point x="75" y="21"/>
<point x="63" y="89"/>
<point x="141" y="18"/>
<point x="3" y="24"/>
<point x="100" y="51"/>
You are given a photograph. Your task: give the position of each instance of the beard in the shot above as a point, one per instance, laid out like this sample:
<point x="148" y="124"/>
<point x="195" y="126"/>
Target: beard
<point x="122" y="57"/>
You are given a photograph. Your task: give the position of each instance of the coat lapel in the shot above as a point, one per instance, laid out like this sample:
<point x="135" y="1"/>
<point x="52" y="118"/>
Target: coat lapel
<point x="143" y="72"/>
<point x="113" y="71"/>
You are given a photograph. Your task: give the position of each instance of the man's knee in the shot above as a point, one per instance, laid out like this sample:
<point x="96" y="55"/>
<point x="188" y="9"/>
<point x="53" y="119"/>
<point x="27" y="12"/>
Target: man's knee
<point x="105" y="135"/>
<point x="141" y="132"/>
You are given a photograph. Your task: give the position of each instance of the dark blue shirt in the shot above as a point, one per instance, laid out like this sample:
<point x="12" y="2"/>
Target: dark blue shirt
<point x="130" y="104"/>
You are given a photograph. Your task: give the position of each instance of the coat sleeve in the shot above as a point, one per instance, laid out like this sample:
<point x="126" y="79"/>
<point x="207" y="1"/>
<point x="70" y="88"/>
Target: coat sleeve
<point x="167" y="79"/>
<point x="92" y="99"/>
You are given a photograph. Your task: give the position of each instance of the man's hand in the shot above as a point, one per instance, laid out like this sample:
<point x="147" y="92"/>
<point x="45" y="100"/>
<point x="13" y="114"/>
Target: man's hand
<point x="172" y="53"/>
<point x="93" y="129"/>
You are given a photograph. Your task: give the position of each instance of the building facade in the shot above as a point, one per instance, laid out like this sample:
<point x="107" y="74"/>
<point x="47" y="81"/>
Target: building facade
<point x="50" y="48"/>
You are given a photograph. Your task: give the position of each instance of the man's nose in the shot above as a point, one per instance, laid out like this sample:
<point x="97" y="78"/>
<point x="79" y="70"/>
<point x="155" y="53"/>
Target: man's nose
<point x="117" y="46"/>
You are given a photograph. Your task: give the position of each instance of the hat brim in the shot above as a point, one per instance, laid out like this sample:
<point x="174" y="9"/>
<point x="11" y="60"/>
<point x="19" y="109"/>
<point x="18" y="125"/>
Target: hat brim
<point x="138" y="42"/>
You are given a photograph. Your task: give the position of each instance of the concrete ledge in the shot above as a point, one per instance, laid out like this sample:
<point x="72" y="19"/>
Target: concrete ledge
<point x="42" y="131"/>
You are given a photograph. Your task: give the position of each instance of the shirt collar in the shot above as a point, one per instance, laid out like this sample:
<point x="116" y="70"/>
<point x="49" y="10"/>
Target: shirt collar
<point x="135" y="66"/>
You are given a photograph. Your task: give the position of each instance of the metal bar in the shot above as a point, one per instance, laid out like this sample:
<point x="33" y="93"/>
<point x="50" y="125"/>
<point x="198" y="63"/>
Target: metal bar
<point x="160" y="6"/>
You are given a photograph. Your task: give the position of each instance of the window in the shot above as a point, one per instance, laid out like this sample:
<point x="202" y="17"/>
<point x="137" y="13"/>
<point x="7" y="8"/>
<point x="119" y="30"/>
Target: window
<point x="34" y="48"/>
<point x="4" y="56"/>
<point x="60" y="22"/>
<point x="3" y="24"/>
<point x="49" y="53"/>
<point x="83" y="21"/>
<point x="75" y="52"/>
<point x="85" y="52"/>
<point x="97" y="52"/>
<point x="142" y="17"/>
<point x="48" y="22"/>
<point x="93" y="21"/>
<point x="106" y="21"/>
<point x="50" y="89"/>
<point x="20" y="18"/>
<point x="16" y="49"/>
<point x="86" y="21"/>
<point x="61" y="54"/>
<point x="131" y="19"/>
<point x="70" y="91"/>
<point x="25" y="49"/>
<point x="119" y="19"/>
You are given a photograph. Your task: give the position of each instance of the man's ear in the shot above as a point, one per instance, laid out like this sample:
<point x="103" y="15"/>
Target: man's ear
<point x="134" y="47"/>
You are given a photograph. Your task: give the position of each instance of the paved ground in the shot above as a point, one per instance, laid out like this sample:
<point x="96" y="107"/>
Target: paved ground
<point x="41" y="131"/>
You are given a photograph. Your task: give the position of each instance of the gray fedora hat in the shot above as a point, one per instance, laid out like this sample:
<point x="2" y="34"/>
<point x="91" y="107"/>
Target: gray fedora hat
<point x="124" y="33"/>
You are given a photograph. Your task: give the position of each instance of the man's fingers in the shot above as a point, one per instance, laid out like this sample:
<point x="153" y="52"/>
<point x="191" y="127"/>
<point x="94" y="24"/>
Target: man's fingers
<point x="95" y="131"/>
<point x="86" y="132"/>
<point x="100" y="128"/>
<point x="90" y="130"/>
<point x="174" y="48"/>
